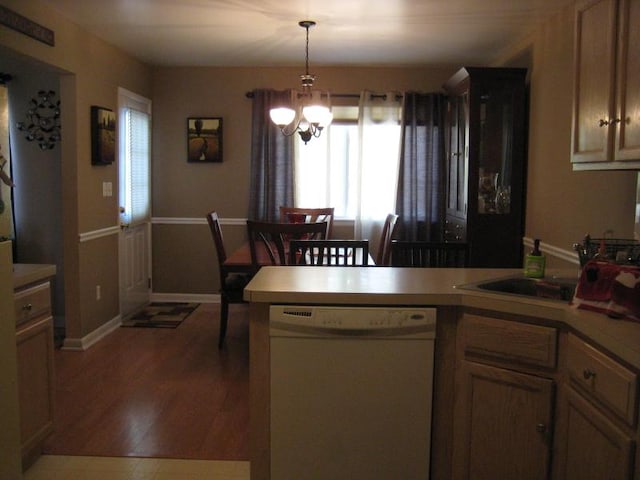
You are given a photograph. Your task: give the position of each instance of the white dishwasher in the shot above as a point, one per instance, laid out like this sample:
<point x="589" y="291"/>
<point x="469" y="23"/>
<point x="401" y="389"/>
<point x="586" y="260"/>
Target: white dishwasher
<point x="351" y="392"/>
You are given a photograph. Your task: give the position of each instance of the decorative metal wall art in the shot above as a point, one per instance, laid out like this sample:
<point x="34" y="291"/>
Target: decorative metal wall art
<point x="43" y="120"/>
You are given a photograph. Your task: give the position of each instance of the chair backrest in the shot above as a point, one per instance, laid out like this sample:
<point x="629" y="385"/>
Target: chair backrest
<point x="309" y="215"/>
<point x="218" y="241"/>
<point x="216" y="233"/>
<point x="428" y="254"/>
<point x="274" y="239"/>
<point x="384" y="247"/>
<point x="329" y="252"/>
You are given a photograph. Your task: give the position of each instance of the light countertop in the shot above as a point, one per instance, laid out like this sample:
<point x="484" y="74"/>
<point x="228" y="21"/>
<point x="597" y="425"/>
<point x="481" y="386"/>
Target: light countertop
<point x="436" y="287"/>
<point x="26" y="273"/>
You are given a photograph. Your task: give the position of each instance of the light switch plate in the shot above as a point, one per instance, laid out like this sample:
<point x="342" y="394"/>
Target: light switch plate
<point x="107" y="189"/>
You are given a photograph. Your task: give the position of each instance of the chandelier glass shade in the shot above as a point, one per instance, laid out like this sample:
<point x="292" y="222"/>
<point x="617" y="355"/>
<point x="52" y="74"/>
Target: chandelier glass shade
<point x="309" y="110"/>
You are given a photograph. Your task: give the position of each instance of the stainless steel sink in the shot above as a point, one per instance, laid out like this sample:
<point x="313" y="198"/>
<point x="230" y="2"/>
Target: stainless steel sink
<point x="554" y="289"/>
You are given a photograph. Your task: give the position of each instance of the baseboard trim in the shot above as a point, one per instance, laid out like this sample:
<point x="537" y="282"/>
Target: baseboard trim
<point x="185" y="297"/>
<point x="84" y="343"/>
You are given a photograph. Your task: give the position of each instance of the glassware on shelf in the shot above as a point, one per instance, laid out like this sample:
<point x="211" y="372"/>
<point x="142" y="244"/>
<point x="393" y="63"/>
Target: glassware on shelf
<point x="503" y="199"/>
<point x="488" y="184"/>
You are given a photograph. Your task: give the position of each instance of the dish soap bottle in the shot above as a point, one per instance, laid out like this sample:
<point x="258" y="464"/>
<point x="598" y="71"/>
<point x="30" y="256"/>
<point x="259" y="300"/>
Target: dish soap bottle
<point x="534" y="262"/>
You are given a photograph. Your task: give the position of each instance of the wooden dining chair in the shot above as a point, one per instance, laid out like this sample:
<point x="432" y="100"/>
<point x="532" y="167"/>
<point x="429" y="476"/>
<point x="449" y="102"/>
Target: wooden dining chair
<point x="428" y="254"/>
<point x="308" y="215"/>
<point x="231" y="283"/>
<point x="384" y="247"/>
<point x="329" y="252"/>
<point x="273" y="239"/>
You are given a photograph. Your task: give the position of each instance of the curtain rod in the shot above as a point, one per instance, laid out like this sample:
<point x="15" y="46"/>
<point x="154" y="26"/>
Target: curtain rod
<point x="337" y="95"/>
<point x="344" y="95"/>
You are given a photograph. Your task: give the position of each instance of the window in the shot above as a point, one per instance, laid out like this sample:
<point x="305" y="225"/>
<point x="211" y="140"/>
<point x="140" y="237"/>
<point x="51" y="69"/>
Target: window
<point x="135" y="157"/>
<point x="352" y="167"/>
<point x="325" y="168"/>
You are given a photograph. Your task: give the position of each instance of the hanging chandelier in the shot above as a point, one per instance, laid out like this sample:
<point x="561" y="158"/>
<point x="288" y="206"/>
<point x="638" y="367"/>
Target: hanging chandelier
<point x="312" y="112"/>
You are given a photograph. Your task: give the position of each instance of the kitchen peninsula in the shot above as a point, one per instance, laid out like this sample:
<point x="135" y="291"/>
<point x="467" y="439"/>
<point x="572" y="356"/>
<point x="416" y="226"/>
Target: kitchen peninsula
<point x="555" y="384"/>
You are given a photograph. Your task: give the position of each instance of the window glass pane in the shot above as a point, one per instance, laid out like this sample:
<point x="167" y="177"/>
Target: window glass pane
<point x="137" y="155"/>
<point x="380" y="169"/>
<point x="328" y="172"/>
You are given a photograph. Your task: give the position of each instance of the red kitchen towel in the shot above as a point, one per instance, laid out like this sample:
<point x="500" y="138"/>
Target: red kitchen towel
<point x="609" y="288"/>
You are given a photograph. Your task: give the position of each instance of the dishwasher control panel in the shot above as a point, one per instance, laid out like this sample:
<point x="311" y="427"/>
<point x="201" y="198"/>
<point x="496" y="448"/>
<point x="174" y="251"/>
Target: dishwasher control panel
<point x="352" y="318"/>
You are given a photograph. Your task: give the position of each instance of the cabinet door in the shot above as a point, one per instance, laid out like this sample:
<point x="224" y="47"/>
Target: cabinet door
<point x="35" y="382"/>
<point x="457" y="156"/>
<point x="504" y="424"/>
<point x="627" y="146"/>
<point x="594" y="81"/>
<point x="595" y="448"/>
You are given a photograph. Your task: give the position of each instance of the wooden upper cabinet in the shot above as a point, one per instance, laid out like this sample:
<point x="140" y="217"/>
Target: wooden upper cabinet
<point x="606" y="109"/>
<point x="627" y="146"/>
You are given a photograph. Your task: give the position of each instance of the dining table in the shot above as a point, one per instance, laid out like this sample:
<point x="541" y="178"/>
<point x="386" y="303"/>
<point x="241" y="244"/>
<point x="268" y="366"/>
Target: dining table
<point x="240" y="259"/>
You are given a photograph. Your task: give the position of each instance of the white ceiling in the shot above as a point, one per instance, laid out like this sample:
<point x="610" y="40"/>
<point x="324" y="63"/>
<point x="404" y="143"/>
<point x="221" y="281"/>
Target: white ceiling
<point x="348" y="32"/>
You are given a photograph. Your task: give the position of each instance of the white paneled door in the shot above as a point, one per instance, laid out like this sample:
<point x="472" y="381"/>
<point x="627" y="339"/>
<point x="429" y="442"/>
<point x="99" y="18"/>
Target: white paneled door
<point x="135" y="201"/>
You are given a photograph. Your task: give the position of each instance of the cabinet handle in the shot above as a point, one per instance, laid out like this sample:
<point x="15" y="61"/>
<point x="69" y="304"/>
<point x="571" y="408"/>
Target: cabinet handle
<point x="27" y="307"/>
<point x="541" y="428"/>
<point x="588" y="374"/>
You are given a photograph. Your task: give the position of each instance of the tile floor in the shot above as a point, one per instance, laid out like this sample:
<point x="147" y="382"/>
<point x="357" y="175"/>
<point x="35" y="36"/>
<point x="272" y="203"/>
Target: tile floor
<point x="62" y="467"/>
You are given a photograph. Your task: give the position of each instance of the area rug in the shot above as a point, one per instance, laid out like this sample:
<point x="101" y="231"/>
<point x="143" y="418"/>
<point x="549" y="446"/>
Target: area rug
<point x="161" y="315"/>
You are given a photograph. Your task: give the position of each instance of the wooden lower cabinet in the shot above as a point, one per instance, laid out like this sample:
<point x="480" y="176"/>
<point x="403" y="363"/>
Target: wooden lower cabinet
<point x="35" y="385"/>
<point x="505" y="398"/>
<point x="592" y="446"/>
<point x="503" y="426"/>
<point x="597" y="416"/>
<point x="34" y="348"/>
<point x="535" y="402"/>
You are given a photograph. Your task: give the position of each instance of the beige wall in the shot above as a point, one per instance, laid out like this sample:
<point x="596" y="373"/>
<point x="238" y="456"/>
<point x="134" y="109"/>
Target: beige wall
<point x="562" y="205"/>
<point x="90" y="72"/>
<point x="183" y="256"/>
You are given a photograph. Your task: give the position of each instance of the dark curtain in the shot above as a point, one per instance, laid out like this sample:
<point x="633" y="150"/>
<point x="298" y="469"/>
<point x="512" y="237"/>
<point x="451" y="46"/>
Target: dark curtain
<point x="272" y="159"/>
<point x="421" y="180"/>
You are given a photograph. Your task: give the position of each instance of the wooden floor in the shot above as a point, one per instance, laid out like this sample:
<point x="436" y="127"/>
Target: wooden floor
<point x="155" y="392"/>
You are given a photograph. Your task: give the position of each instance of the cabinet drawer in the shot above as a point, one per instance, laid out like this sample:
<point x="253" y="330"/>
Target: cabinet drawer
<point x="604" y="379"/>
<point x="455" y="230"/>
<point x="32" y="302"/>
<point x="510" y="341"/>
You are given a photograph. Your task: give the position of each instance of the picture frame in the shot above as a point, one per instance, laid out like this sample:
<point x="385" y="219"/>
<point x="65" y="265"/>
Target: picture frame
<point x="204" y="139"/>
<point x="103" y="136"/>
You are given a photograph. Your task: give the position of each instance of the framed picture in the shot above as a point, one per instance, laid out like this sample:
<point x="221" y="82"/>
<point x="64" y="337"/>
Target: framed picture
<point x="204" y="139"/>
<point x="103" y="136"/>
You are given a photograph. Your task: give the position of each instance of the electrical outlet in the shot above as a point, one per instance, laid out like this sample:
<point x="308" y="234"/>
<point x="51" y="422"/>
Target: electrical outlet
<point x="98" y="292"/>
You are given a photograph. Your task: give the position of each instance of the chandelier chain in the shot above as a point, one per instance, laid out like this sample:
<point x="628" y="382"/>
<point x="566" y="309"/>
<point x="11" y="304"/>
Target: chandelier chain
<point x="307" y="51"/>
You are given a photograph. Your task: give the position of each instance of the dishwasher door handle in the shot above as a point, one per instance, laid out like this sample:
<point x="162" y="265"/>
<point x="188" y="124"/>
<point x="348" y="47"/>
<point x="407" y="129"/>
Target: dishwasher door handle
<point x="285" y="329"/>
